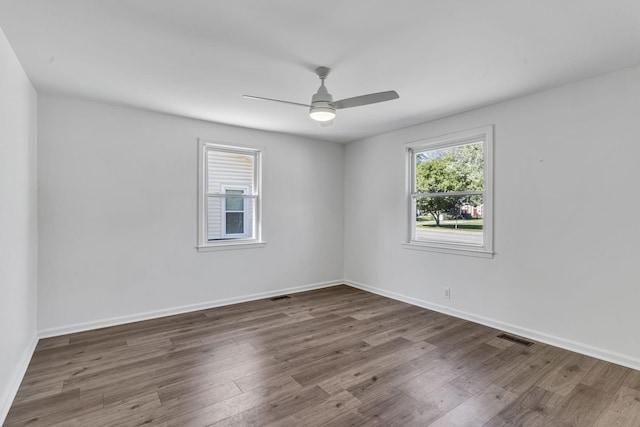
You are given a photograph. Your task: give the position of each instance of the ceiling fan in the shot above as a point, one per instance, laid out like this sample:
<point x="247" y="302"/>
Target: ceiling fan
<point x="323" y="107"/>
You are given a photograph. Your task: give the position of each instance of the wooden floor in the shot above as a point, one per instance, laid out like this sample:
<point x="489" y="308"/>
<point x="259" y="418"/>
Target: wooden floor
<point x="336" y="356"/>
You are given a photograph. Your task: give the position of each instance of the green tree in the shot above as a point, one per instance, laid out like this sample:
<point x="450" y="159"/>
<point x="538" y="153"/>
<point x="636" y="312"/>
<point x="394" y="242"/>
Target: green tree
<point x="452" y="169"/>
<point x="439" y="175"/>
<point x="470" y="159"/>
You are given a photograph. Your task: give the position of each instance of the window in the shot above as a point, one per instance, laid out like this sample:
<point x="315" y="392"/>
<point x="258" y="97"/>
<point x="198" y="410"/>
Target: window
<point x="229" y="196"/>
<point x="449" y="193"/>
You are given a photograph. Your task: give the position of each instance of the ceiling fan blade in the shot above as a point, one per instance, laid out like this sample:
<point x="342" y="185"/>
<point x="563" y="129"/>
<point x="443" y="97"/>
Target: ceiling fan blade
<point x="371" y="98"/>
<point x="259" y="98"/>
<point x="327" y="123"/>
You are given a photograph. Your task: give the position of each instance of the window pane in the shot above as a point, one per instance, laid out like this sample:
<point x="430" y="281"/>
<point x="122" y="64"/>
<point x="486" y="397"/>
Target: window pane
<point x="234" y="203"/>
<point x="230" y="169"/>
<point x="459" y="168"/>
<point x="449" y="219"/>
<point x="235" y="223"/>
<point x="224" y="224"/>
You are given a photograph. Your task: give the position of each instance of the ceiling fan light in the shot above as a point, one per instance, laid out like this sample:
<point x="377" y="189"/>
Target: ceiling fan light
<point x="322" y="114"/>
<point x="322" y="110"/>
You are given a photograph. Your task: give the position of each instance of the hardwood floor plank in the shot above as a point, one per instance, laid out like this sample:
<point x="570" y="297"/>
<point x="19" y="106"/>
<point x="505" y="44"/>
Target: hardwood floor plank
<point x="363" y="375"/>
<point x="605" y="376"/>
<point x="338" y="307"/>
<point x="199" y="412"/>
<point x="300" y="364"/>
<point x="324" y="413"/>
<point x="171" y="364"/>
<point x="532" y="408"/>
<point x="633" y="380"/>
<point x="225" y="331"/>
<point x="390" y="408"/>
<point x="447" y="369"/>
<point x="114" y="413"/>
<point x="53" y="342"/>
<point x="532" y="370"/>
<point x="419" y="321"/>
<point x="282" y="336"/>
<point x="500" y="343"/>
<point x="41" y="390"/>
<point x="358" y="330"/>
<point x="143" y="382"/>
<point x="437" y="403"/>
<point x="493" y="368"/>
<point x="363" y="330"/>
<point x="377" y="311"/>
<point x="391" y="376"/>
<point x="65" y="365"/>
<point x="52" y="410"/>
<point x="23" y="411"/>
<point x="623" y="411"/>
<point x="464" y="333"/>
<point x="299" y="354"/>
<point x="192" y="389"/>
<point x="613" y="419"/>
<point x="582" y="407"/>
<point x="351" y="307"/>
<point x="258" y="332"/>
<point x="338" y="356"/>
<point x="137" y="329"/>
<point x="478" y="409"/>
<point x="65" y="352"/>
<point x="276" y="409"/>
<point x="117" y="359"/>
<point x="351" y="419"/>
<point x="327" y="369"/>
<point x="626" y="400"/>
<point x="426" y="332"/>
<point x="564" y="378"/>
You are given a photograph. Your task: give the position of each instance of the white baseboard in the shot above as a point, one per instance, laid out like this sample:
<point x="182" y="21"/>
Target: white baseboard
<point x="14" y="384"/>
<point x="609" y="356"/>
<point x="80" y="327"/>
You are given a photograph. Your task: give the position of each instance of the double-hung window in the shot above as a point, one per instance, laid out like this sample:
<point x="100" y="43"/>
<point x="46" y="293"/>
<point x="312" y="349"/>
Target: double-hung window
<point x="449" y="193"/>
<point x="229" y="196"/>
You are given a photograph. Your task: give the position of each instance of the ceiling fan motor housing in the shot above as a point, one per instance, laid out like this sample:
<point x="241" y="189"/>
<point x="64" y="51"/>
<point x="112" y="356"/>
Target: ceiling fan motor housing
<point x="322" y="108"/>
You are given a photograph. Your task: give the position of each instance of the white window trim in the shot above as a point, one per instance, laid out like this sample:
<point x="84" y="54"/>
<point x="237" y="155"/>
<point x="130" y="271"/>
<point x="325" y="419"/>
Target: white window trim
<point x="223" y="207"/>
<point x="203" y="244"/>
<point x="486" y="250"/>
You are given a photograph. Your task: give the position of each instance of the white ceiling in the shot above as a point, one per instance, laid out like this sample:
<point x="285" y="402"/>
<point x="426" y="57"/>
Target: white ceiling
<point x="196" y="58"/>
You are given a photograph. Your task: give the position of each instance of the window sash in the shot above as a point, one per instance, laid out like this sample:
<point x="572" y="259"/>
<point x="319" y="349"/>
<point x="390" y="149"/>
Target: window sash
<point x="233" y="196"/>
<point x="245" y="211"/>
<point x="448" y="193"/>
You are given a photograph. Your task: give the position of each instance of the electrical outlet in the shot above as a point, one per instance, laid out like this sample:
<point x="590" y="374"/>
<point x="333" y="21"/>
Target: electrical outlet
<point x="447" y="293"/>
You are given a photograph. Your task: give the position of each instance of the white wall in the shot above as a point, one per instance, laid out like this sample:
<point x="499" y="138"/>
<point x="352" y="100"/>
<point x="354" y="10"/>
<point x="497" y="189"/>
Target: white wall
<point x="566" y="225"/>
<point x="18" y="222"/>
<point x="117" y="198"/>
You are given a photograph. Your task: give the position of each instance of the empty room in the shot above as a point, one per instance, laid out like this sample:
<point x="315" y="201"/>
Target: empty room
<point x="337" y="213"/>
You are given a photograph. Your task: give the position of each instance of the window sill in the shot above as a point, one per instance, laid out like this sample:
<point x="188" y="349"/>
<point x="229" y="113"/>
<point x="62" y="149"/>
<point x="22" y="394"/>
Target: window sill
<point x="230" y="246"/>
<point x="449" y="249"/>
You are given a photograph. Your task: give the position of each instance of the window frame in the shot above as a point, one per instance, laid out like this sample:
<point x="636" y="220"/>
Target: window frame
<point x="231" y="241"/>
<point x="484" y="134"/>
